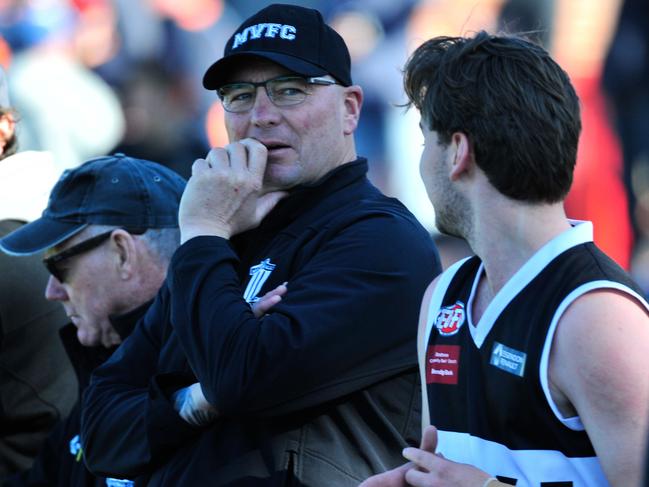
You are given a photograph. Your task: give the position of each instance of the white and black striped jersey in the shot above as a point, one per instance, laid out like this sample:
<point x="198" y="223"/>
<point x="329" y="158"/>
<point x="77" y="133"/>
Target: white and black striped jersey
<point x="487" y="382"/>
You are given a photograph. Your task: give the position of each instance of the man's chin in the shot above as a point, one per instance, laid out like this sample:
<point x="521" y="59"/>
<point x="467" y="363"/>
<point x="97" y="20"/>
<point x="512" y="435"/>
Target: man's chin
<point x="278" y="177"/>
<point x="447" y="230"/>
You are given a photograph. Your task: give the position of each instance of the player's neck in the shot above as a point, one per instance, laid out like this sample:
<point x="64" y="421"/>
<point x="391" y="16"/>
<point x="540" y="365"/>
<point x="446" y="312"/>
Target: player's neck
<point x="506" y="237"/>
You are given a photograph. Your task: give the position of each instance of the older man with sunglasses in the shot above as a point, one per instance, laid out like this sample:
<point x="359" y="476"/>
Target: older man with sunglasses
<point x="108" y="233"/>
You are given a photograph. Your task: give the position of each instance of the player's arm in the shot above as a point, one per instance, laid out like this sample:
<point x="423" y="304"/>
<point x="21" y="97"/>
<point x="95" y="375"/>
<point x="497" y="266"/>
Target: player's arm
<point x="598" y="366"/>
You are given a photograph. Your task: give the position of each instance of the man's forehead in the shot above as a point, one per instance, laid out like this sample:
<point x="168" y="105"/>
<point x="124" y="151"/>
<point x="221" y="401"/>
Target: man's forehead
<point x="255" y="69"/>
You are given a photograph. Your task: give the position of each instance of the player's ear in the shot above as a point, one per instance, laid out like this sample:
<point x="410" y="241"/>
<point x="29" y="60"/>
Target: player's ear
<point x="463" y="155"/>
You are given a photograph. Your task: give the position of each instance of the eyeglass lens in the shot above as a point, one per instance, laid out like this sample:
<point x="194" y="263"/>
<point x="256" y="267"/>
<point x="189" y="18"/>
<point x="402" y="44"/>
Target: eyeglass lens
<point x="282" y="91"/>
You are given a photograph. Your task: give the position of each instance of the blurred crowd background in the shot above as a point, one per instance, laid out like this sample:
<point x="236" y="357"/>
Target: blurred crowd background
<point x="90" y="77"/>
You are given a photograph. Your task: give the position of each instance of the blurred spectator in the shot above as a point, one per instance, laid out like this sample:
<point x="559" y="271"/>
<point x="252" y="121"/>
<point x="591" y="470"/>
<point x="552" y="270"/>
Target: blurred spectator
<point x="246" y="8"/>
<point x="165" y="47"/>
<point x="529" y="16"/>
<point x="37" y="383"/>
<point x="597" y="192"/>
<point x="375" y="31"/>
<point x="157" y="119"/>
<point x="65" y="107"/>
<point x="626" y="84"/>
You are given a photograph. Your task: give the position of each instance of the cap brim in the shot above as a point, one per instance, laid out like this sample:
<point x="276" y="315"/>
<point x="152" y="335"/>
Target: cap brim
<point x="217" y="74"/>
<point x="38" y="235"/>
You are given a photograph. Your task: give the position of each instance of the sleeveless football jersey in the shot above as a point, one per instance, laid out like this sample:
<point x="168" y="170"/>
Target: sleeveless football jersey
<point x="487" y="382"/>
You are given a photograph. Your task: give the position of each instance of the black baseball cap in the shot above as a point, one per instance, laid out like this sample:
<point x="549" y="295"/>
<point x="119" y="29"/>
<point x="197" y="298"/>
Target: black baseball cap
<point x="291" y="36"/>
<point x="111" y="190"/>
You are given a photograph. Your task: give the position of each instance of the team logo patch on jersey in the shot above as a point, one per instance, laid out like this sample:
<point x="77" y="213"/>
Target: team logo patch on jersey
<point x="508" y="359"/>
<point x="258" y="275"/>
<point x="450" y="319"/>
<point x="442" y="364"/>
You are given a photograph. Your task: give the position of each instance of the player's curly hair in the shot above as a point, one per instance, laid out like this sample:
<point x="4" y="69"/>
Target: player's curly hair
<point x="512" y="100"/>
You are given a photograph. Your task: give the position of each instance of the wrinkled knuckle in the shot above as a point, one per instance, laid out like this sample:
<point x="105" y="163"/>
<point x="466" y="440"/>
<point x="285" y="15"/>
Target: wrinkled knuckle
<point x="259" y="150"/>
<point x="217" y="152"/>
<point x="241" y="180"/>
<point x="197" y="165"/>
<point x="218" y="155"/>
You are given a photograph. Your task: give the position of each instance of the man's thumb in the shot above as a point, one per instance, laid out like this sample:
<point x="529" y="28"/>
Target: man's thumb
<point x="267" y="202"/>
<point x="429" y="439"/>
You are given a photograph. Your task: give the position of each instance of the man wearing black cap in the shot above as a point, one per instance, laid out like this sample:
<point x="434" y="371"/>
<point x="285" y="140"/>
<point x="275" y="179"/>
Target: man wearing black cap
<point x="323" y="390"/>
<point x="108" y="233"/>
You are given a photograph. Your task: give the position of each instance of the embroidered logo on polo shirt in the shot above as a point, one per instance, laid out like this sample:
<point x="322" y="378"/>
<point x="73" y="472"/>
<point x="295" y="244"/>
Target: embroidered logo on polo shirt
<point x="75" y="447"/>
<point x="508" y="359"/>
<point x="259" y="274"/>
<point x="283" y="31"/>
<point x="450" y="319"/>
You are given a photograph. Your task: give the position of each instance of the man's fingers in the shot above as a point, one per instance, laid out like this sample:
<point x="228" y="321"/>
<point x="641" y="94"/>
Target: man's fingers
<point x="199" y="166"/>
<point x="217" y="157"/>
<point x="392" y="478"/>
<point x="237" y="156"/>
<point x="421" y="458"/>
<point x="257" y="156"/>
<point x="268" y="300"/>
<point x="417" y="478"/>
<point x="262" y="306"/>
<point x="429" y="439"/>
<point x="278" y="291"/>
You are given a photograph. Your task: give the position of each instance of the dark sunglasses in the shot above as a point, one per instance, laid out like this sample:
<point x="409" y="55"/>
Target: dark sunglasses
<point x="53" y="263"/>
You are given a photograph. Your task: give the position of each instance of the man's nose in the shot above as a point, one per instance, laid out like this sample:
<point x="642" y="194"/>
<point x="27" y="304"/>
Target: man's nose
<point x="264" y="112"/>
<point x="54" y="291"/>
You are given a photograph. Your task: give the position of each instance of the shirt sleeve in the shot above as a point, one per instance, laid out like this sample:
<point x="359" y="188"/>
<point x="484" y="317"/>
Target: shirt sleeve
<point x="128" y="421"/>
<point x="348" y="321"/>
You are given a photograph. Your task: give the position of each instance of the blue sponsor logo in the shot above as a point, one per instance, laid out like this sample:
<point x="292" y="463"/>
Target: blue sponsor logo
<point x="508" y="359"/>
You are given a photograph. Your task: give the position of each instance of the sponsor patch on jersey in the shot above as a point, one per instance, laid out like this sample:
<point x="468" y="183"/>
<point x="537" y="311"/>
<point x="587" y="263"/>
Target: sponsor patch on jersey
<point x="442" y="364"/>
<point x="450" y="319"/>
<point x="508" y="359"/>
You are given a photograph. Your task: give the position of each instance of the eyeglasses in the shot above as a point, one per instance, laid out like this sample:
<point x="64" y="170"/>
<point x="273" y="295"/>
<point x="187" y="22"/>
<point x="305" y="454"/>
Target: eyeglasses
<point x="283" y="92"/>
<point x="53" y="263"/>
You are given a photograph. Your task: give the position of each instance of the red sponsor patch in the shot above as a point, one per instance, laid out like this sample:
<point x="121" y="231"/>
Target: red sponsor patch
<point x="442" y="364"/>
<point x="450" y="319"/>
